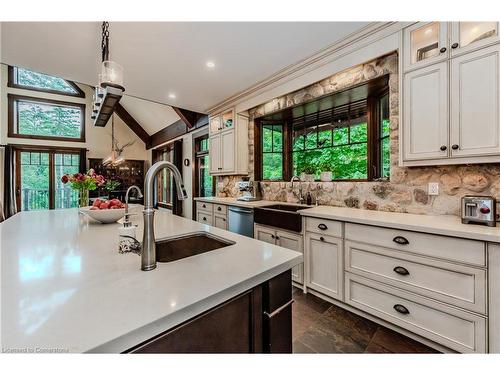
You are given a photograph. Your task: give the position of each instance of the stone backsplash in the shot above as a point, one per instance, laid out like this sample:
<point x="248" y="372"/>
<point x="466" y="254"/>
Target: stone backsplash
<point x="407" y="189"/>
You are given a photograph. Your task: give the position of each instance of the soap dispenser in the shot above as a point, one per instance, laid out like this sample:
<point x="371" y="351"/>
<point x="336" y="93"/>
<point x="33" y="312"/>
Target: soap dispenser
<point x="127" y="237"/>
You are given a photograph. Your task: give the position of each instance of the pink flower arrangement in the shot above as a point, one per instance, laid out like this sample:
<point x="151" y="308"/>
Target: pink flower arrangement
<point x="87" y="181"/>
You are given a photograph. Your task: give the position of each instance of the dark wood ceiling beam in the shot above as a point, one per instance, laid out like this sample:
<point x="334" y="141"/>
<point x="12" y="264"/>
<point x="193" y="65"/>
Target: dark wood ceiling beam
<point x="168" y="133"/>
<point x="132" y="123"/>
<point x="189" y="117"/>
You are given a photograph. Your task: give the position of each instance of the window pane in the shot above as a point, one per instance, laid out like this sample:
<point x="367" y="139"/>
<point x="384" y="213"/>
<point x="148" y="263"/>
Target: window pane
<point x="277" y="138"/>
<point x="325" y="138"/>
<point x="340" y="136"/>
<point x="49" y="120"/>
<point x="65" y="197"/>
<point x="359" y="133"/>
<point x="205" y="177"/>
<point x="384" y="116"/>
<point x="272" y="166"/>
<point x="43" y="81"/>
<point x="385" y="156"/>
<point x="311" y="139"/>
<point x="34" y="182"/>
<point x="267" y="138"/>
<point x="298" y="143"/>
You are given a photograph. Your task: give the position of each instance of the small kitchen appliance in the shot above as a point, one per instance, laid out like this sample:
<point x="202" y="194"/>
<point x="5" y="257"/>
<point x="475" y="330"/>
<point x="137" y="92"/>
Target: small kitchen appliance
<point x="250" y="189"/>
<point x="478" y="209"/>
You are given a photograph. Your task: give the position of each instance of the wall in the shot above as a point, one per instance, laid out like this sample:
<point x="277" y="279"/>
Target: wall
<point x="98" y="140"/>
<point x="407" y="189"/>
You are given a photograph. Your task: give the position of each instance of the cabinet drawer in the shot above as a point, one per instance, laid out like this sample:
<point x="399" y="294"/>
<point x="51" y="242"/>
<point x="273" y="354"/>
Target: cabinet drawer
<point x="220" y="209"/>
<point x="456" y="284"/>
<point x="204" y="218"/>
<point x="220" y="221"/>
<point x="328" y="227"/>
<point x="447" y="248"/>
<point x="453" y="328"/>
<point x="204" y="206"/>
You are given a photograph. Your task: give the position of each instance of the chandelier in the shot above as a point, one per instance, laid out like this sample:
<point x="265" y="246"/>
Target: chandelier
<point x="115" y="158"/>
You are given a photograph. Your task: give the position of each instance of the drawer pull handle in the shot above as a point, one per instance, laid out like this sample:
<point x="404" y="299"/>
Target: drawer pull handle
<point x="322" y="238"/>
<point x="279" y="309"/>
<point x="322" y="226"/>
<point x="277" y="238"/>
<point x="272" y="236"/>
<point x="401" y="309"/>
<point x="401" y="240"/>
<point x="401" y="270"/>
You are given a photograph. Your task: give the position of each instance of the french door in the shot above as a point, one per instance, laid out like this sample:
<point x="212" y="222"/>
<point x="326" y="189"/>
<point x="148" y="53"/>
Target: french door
<point x="38" y="179"/>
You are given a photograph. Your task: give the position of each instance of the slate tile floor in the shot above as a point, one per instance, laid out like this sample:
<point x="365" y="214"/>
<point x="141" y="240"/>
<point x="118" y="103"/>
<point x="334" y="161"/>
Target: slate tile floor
<point x="320" y="327"/>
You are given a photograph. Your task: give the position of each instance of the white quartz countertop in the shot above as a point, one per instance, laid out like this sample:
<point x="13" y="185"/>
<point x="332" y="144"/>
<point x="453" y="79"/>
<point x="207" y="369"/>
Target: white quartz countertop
<point x="447" y="225"/>
<point x="65" y="287"/>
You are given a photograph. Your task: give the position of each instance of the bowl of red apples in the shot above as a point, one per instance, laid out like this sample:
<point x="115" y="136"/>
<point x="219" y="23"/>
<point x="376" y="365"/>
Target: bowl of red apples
<point x="105" y="211"/>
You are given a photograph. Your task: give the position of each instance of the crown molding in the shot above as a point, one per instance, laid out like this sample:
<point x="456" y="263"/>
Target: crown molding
<point x="309" y="63"/>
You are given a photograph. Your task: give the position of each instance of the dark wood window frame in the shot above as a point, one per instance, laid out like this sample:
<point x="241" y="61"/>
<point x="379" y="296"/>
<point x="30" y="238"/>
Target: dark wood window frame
<point x="12" y="82"/>
<point x="374" y="167"/>
<point x="51" y="150"/>
<point x="13" y="121"/>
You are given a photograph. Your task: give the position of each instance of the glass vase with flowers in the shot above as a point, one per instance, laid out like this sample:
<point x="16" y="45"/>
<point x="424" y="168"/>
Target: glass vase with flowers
<point x="83" y="183"/>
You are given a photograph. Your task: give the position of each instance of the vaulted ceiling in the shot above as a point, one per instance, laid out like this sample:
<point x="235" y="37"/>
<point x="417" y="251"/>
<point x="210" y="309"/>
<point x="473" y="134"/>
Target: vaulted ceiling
<point x="165" y="59"/>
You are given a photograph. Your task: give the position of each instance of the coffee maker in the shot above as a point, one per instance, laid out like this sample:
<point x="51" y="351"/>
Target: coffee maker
<point x="250" y="189"/>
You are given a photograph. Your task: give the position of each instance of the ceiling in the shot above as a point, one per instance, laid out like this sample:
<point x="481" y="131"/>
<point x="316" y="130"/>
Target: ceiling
<point x="150" y="115"/>
<point x="162" y="58"/>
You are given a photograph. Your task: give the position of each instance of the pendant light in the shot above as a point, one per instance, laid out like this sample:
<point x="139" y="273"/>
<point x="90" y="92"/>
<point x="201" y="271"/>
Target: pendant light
<point x="115" y="158"/>
<point x="110" y="84"/>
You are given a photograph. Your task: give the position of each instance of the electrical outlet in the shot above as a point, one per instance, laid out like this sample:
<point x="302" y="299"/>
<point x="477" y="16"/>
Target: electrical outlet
<point x="433" y="188"/>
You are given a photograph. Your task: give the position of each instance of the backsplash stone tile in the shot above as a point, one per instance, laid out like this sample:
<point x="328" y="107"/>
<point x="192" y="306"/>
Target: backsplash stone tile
<point x="407" y="189"/>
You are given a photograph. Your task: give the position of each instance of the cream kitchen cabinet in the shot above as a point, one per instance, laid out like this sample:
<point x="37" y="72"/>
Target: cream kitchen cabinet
<point x="475" y="98"/>
<point x="211" y="214"/>
<point x="286" y="239"/>
<point x="469" y="36"/>
<point x="228" y="144"/>
<point x="450" y="107"/>
<point x="425" y="43"/>
<point x="323" y="259"/>
<point x="425" y="133"/>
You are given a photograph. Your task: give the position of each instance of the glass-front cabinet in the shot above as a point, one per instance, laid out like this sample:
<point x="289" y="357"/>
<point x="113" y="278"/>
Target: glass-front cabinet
<point x="467" y="36"/>
<point x="425" y="43"/>
<point x="222" y="122"/>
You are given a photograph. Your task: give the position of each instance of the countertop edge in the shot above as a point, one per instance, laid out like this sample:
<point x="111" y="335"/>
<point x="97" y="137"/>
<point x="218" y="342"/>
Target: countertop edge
<point x="405" y="226"/>
<point x="142" y="334"/>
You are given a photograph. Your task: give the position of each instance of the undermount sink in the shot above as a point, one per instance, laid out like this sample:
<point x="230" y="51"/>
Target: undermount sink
<point x="284" y="216"/>
<point x="171" y="249"/>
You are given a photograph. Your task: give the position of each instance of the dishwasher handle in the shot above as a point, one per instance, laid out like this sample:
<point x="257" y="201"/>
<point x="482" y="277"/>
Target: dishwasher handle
<point x="241" y="210"/>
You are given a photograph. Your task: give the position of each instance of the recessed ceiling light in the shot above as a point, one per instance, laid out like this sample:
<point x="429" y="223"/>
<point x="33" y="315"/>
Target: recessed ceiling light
<point x="172" y="95"/>
<point x="210" y="64"/>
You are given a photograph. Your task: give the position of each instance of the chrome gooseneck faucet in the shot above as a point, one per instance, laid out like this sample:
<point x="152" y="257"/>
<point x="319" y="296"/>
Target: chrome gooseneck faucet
<point x="148" y="250"/>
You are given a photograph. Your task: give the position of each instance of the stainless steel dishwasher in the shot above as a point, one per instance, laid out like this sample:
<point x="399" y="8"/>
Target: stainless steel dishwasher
<point x="241" y="220"/>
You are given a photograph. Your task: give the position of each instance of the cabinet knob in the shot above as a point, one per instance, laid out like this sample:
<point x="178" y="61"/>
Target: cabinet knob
<point x="454" y="45"/>
<point x="272" y="236"/>
<point x="204" y="206"/>
<point x="442" y="50"/>
<point x="322" y="239"/>
<point x="401" y="240"/>
<point x="401" y="309"/>
<point x="223" y="219"/>
<point x="322" y="226"/>
<point x="443" y="148"/>
<point x="455" y="147"/>
<point x="277" y="238"/>
<point x="401" y="270"/>
<point x="204" y="219"/>
<point x="219" y="209"/>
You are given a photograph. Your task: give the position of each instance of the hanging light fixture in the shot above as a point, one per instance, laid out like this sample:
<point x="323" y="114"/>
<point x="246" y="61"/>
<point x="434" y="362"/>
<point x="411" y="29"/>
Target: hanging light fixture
<point x="115" y="158"/>
<point x="110" y="84"/>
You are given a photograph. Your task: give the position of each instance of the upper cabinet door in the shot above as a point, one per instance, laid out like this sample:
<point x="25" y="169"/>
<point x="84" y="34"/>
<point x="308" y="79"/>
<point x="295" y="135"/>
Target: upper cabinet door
<point x="215" y="124"/>
<point x="468" y="36"/>
<point x="227" y="120"/>
<point x="215" y="154"/>
<point x="425" y="43"/>
<point x="228" y="151"/>
<point x="475" y="103"/>
<point x="425" y="113"/>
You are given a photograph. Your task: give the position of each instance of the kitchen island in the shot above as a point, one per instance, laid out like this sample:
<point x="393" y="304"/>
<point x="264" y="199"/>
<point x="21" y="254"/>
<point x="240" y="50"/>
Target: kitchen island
<point x="66" y="288"/>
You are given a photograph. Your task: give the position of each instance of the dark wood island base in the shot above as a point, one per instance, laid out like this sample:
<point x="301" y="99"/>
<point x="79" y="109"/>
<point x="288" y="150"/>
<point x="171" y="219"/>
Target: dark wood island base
<point x="257" y="321"/>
